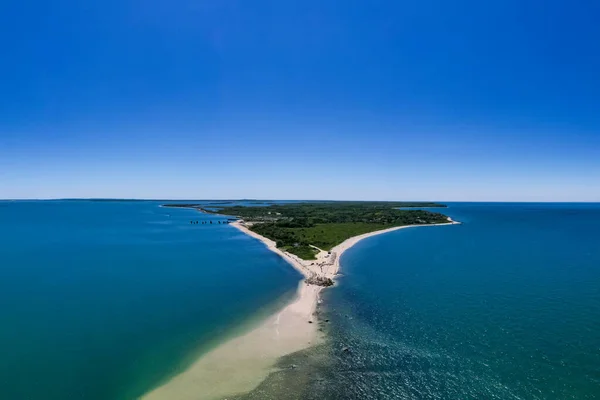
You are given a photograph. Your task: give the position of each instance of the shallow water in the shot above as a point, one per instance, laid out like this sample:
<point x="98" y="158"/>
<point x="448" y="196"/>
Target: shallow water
<point x="505" y="306"/>
<point x="103" y="300"/>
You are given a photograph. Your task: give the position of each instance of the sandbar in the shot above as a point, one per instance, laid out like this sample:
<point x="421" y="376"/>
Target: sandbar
<point x="240" y="364"/>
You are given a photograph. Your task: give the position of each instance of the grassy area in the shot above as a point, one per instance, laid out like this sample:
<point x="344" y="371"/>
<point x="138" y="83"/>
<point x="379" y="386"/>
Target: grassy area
<point x="326" y="236"/>
<point x="302" y="251"/>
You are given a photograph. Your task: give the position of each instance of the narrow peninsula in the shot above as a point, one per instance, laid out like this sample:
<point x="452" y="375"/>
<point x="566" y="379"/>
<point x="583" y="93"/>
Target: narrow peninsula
<point x="311" y="236"/>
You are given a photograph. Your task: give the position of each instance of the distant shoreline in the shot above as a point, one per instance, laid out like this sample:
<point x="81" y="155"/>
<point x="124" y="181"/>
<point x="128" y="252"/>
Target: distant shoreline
<point x="240" y="364"/>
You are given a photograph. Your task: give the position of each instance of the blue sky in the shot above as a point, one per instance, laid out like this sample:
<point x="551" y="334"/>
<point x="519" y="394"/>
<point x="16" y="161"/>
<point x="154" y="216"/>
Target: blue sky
<point x="389" y="100"/>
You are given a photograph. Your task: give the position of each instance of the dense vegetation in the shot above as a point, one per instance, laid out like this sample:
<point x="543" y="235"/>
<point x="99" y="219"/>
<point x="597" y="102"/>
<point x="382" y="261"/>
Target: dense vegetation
<point x="298" y="226"/>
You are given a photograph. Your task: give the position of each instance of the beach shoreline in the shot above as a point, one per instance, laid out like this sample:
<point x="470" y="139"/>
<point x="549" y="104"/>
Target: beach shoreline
<point x="240" y="364"/>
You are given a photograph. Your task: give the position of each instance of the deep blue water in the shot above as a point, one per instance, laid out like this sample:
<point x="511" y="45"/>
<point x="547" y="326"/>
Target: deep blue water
<point x="102" y="300"/>
<point x="505" y="306"/>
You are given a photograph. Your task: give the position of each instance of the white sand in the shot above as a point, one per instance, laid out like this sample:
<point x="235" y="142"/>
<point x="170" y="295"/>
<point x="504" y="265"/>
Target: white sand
<point x="242" y="363"/>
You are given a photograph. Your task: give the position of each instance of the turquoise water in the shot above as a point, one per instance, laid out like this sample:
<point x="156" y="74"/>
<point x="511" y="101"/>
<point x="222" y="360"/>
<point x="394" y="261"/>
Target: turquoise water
<point x="505" y="306"/>
<point x="103" y="300"/>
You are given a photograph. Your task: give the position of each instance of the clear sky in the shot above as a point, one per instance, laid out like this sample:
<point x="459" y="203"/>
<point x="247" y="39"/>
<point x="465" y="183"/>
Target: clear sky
<point x="391" y="100"/>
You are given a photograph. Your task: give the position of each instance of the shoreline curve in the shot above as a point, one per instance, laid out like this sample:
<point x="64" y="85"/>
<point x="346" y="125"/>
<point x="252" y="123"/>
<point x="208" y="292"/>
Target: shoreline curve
<point x="240" y="364"/>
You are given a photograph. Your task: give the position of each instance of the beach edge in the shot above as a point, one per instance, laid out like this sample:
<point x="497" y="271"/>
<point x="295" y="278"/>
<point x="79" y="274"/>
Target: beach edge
<point x="251" y="356"/>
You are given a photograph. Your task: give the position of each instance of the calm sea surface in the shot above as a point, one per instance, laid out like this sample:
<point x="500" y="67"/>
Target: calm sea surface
<point x="505" y="306"/>
<point x="103" y="300"/>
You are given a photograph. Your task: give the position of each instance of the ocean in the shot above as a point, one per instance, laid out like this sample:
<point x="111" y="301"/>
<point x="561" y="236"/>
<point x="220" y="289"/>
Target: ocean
<point x="104" y="300"/>
<point x="504" y="306"/>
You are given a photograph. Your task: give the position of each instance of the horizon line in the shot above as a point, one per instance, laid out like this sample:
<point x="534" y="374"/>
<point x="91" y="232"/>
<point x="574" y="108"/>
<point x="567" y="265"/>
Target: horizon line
<point x="299" y="200"/>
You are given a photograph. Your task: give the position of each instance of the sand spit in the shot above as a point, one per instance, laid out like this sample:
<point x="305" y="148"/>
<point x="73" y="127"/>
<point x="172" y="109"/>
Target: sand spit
<point x="242" y="363"/>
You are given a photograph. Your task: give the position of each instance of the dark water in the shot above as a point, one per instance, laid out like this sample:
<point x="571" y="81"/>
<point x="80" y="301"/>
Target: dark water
<point x="505" y="306"/>
<point x="103" y="300"/>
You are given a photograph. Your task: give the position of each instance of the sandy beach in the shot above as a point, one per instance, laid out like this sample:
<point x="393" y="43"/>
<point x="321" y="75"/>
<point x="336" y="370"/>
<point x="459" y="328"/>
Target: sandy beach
<point x="242" y="363"/>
